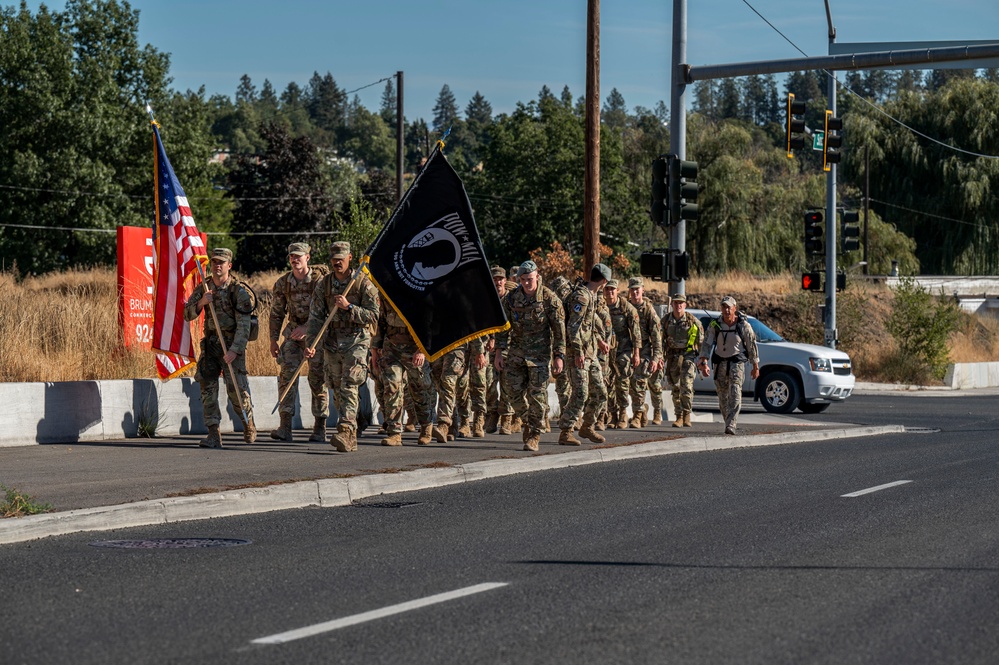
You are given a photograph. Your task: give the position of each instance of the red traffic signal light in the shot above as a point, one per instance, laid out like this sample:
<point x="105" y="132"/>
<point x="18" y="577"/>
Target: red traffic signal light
<point x="814" y="243"/>
<point x="811" y="281"/>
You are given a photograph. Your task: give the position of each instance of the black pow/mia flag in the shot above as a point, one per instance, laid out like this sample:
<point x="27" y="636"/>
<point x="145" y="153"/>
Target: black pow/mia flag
<point x="429" y="265"/>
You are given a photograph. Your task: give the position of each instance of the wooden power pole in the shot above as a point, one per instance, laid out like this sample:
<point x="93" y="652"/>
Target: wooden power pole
<point x="591" y="185"/>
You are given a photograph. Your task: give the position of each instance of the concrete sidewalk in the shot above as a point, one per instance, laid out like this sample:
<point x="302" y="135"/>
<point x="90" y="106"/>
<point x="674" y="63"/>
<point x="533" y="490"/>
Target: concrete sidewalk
<point x="116" y="484"/>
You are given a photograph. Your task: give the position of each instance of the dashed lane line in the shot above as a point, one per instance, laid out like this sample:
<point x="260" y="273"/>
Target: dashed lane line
<point x="874" y="489"/>
<point x="336" y="624"/>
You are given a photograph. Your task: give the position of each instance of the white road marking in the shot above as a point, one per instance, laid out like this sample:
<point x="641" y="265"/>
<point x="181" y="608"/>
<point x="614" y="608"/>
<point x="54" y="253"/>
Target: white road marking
<point x="355" y="619"/>
<point x="875" y="489"/>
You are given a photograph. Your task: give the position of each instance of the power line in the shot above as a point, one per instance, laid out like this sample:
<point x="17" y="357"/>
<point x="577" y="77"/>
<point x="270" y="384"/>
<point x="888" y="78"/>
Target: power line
<point x="929" y="214"/>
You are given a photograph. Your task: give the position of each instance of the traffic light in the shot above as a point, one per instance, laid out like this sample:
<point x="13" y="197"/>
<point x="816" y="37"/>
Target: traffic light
<point x="811" y="281"/>
<point x="794" y="125"/>
<point x="849" y="230"/>
<point x="660" y="192"/>
<point x="830" y="141"/>
<point x="682" y="190"/>
<point x="680" y="266"/>
<point x="813" y="233"/>
<point x="654" y="265"/>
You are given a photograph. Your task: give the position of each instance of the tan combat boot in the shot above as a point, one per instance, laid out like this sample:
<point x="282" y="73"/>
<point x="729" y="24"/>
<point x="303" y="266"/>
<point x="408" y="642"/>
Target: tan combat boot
<point x="393" y="439"/>
<point x="213" y="440"/>
<point x="636" y="419"/>
<point x="440" y="432"/>
<point x="426" y="435"/>
<point x="686" y="419"/>
<point x="479" y="426"/>
<point x="465" y="431"/>
<point x="587" y="432"/>
<point x="531" y="441"/>
<point x="600" y="425"/>
<point x="410" y="427"/>
<point x="679" y="419"/>
<point x="567" y="439"/>
<point x="318" y="430"/>
<point x="249" y="431"/>
<point x="622" y="419"/>
<point x="657" y="415"/>
<point x="645" y="415"/>
<point x="504" y="425"/>
<point x="341" y="439"/>
<point x="492" y="422"/>
<point x="283" y="432"/>
<point x="516" y="424"/>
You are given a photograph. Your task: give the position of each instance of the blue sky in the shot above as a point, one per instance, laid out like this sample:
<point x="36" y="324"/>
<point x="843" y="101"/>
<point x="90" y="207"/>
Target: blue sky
<point x="508" y="50"/>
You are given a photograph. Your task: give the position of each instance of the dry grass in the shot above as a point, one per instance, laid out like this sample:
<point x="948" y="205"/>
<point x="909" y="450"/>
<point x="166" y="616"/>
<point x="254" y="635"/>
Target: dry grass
<point x="64" y="326"/>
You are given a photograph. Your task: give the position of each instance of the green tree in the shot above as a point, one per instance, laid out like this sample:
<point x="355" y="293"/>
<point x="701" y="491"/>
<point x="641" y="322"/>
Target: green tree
<point x="75" y="136"/>
<point x="286" y="190"/>
<point x="445" y="110"/>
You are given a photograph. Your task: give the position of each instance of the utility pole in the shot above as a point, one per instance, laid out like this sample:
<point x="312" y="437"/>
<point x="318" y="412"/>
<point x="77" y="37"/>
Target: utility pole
<point x="400" y="126"/>
<point x="678" y="118"/>
<point x="591" y="182"/>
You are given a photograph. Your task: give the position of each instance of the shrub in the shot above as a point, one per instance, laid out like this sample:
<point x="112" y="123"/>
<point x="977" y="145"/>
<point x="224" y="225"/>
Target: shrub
<point x="921" y="325"/>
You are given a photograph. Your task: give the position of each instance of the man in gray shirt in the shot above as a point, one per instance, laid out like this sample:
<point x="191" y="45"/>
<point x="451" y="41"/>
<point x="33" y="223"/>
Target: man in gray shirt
<point x="730" y="343"/>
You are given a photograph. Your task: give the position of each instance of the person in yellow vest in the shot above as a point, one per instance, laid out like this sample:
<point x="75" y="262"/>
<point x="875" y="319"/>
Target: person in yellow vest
<point x="682" y="337"/>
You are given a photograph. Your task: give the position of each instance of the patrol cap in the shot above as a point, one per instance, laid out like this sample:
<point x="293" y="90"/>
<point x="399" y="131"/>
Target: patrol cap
<point x="728" y="300"/>
<point x="340" y="250"/>
<point x="611" y="284"/>
<point x="499" y="271"/>
<point x="222" y="254"/>
<point x="678" y="297"/>
<point x="599" y="272"/>
<point x="527" y="267"/>
<point x="636" y="282"/>
<point x="514" y="271"/>
<point x="298" y="249"/>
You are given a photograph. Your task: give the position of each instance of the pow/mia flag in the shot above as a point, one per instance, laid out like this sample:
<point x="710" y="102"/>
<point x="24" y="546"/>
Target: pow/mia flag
<point x="429" y="265"/>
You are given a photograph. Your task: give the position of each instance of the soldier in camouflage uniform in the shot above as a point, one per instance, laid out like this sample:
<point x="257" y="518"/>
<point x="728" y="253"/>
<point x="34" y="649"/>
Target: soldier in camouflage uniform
<point x="446" y="372"/>
<point x="561" y="287"/>
<point x="603" y="328"/>
<point x="730" y="343"/>
<point x="499" y="409"/>
<point x="233" y="308"/>
<point x="682" y="338"/>
<point x="587" y="390"/>
<point x="656" y="384"/>
<point x="346" y="343"/>
<point x="536" y="335"/>
<point x="652" y="351"/>
<point x="478" y="381"/>
<point x="628" y="332"/>
<point x="404" y="371"/>
<point x="292" y="299"/>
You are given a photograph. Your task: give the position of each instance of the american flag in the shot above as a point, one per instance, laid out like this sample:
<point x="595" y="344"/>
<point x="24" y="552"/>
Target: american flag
<point x="177" y="247"/>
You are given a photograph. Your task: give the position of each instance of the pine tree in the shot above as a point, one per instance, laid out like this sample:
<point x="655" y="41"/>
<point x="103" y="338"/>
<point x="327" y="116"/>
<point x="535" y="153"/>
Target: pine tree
<point x="445" y="110"/>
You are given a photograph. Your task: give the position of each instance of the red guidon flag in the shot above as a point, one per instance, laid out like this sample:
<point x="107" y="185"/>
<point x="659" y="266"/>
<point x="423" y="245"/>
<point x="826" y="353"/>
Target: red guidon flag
<point x="177" y="247"/>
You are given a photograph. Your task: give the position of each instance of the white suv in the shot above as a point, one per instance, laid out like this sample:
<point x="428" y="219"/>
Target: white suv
<point x="802" y="376"/>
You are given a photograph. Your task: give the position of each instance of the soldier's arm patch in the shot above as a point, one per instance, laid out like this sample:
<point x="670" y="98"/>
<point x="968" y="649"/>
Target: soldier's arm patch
<point x="578" y="308"/>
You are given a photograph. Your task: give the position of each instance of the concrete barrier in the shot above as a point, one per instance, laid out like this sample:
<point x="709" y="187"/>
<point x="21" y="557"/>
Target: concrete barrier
<point x="972" y="375"/>
<point x="70" y="411"/>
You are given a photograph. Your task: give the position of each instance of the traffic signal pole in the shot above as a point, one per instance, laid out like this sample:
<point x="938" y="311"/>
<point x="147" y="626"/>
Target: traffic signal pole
<point x="678" y="120"/>
<point x="831" y="244"/>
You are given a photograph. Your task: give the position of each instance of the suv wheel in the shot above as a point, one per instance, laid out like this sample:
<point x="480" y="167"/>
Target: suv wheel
<point x="780" y="393"/>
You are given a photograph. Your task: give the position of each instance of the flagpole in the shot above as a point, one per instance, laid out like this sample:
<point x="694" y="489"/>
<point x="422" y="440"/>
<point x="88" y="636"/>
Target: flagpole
<point x="211" y="305"/>
<point x="315" y="342"/>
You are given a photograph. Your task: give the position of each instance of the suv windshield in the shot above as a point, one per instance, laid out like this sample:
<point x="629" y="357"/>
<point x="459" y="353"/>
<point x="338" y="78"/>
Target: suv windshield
<point x="764" y="334"/>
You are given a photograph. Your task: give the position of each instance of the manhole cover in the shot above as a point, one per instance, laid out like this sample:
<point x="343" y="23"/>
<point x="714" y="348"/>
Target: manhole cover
<point x="921" y="430"/>
<point x="170" y="543"/>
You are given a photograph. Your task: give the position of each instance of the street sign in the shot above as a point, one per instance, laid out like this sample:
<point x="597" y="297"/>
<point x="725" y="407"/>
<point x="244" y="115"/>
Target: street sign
<point x="817" y="140"/>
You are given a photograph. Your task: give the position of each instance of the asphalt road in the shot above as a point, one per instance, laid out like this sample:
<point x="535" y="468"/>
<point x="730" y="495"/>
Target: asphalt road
<point x="741" y="556"/>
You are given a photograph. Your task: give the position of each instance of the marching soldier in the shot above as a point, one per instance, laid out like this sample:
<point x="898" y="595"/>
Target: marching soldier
<point x="628" y="332"/>
<point x="587" y="391"/>
<point x="683" y="335"/>
<point x="652" y="351"/>
<point x="730" y="343"/>
<point x="536" y="335"/>
<point x="500" y="412"/>
<point x="404" y="370"/>
<point x="563" y="387"/>
<point x="292" y="299"/>
<point x="354" y="311"/>
<point x="233" y="308"/>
